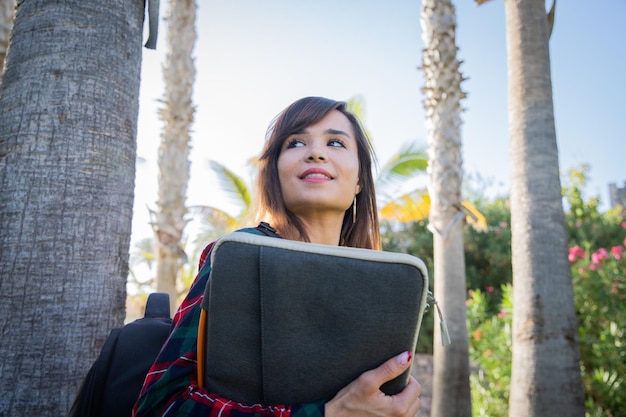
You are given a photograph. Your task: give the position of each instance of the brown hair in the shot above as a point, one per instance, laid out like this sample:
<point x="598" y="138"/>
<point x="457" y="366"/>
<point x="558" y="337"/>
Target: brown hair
<point x="362" y="233"/>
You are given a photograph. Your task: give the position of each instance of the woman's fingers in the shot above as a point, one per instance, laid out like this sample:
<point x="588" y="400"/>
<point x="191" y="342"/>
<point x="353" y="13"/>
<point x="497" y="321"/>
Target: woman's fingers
<point x="389" y="370"/>
<point x="363" y="397"/>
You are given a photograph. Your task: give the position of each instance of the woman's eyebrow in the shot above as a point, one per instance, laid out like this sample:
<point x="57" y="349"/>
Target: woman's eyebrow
<point x="336" y="132"/>
<point x="326" y="132"/>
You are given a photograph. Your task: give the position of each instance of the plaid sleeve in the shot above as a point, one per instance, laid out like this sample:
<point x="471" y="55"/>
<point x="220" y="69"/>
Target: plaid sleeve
<point x="171" y="386"/>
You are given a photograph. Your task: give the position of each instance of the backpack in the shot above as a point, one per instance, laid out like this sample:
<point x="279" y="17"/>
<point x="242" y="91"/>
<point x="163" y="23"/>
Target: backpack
<point x="114" y="381"/>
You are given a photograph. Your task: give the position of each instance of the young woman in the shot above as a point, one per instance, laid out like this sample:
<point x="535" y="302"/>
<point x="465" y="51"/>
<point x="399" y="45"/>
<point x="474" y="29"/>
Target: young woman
<point x="315" y="185"/>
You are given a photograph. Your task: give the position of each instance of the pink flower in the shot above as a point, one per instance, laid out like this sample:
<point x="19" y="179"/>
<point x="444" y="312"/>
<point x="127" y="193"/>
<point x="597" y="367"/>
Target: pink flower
<point x="624" y="225"/>
<point x="504" y="225"/>
<point x="581" y="270"/>
<point x="617" y="252"/>
<point x="575" y="253"/>
<point x="593" y="267"/>
<point x="503" y="314"/>
<point x="490" y="288"/>
<point x="599" y="255"/>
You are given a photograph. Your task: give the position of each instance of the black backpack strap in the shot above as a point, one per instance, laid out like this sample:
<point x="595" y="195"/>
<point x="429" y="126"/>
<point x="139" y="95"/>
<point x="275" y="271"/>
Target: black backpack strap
<point x="158" y="305"/>
<point x="114" y="381"/>
<point x="138" y="345"/>
<point x="267" y="230"/>
<point x="88" y="402"/>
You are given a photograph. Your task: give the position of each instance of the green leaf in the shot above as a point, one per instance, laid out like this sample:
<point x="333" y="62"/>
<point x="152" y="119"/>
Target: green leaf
<point x="232" y="184"/>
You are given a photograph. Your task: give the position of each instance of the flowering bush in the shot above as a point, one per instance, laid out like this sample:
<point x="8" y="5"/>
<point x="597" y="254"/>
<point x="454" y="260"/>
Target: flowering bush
<point x="599" y="279"/>
<point x="597" y="258"/>
<point x="490" y="352"/>
<point x="598" y="265"/>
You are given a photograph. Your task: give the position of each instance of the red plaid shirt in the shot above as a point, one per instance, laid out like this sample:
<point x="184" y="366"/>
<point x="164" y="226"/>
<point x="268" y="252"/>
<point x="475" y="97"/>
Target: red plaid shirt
<point x="171" y="386"/>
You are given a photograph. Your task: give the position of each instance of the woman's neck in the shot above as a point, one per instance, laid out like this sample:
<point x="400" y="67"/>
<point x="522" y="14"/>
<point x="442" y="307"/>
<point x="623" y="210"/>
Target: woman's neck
<point x="325" y="231"/>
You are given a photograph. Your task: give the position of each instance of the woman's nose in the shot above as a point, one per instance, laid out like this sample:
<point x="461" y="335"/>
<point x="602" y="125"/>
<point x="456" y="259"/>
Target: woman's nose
<point x="316" y="153"/>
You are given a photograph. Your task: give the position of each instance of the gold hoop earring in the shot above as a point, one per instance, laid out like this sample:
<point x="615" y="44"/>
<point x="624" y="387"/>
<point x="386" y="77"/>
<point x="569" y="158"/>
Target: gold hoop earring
<point x="354" y="210"/>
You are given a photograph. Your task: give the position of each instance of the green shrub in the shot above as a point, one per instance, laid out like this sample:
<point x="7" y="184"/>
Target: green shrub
<point x="597" y="256"/>
<point x="600" y="298"/>
<point x="488" y="253"/>
<point x="490" y="353"/>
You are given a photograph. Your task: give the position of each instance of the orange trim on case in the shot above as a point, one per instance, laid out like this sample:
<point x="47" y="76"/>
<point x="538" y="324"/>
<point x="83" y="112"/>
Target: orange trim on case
<point x="201" y="344"/>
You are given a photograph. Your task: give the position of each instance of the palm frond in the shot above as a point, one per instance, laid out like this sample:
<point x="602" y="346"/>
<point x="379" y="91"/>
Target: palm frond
<point x="214" y="217"/>
<point x="474" y="217"/>
<point x="409" y="207"/>
<point x="143" y="253"/>
<point x="232" y="184"/>
<point x="356" y="106"/>
<point x="213" y="223"/>
<point x="408" y="162"/>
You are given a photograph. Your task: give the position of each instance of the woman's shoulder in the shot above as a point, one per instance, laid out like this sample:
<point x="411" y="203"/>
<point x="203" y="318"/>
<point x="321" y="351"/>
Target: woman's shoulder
<point x="263" y="229"/>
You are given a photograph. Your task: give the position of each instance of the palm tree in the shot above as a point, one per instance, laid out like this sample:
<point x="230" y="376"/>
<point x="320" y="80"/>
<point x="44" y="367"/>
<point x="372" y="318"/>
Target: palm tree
<point x="545" y="378"/>
<point x="68" y="121"/>
<point x="408" y="163"/>
<point x="451" y="387"/>
<point x="169" y="219"/>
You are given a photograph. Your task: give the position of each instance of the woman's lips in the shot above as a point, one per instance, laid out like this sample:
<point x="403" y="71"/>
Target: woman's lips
<point x="316" y="175"/>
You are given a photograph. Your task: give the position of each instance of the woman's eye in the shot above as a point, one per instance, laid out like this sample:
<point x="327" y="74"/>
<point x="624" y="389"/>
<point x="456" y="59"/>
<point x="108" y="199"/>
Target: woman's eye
<point x="294" y="143"/>
<point x="336" y="142"/>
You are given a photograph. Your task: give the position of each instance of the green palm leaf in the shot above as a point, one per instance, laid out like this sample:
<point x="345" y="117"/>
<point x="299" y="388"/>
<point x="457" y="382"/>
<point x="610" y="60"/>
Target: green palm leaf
<point x="215" y="223"/>
<point x="406" y="164"/>
<point x="232" y="184"/>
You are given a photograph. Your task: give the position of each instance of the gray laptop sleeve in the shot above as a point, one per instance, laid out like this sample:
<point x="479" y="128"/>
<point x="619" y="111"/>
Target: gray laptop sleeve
<point x="292" y="322"/>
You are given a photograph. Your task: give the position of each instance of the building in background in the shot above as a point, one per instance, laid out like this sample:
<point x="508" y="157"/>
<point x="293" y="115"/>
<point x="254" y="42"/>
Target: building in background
<point x="617" y="195"/>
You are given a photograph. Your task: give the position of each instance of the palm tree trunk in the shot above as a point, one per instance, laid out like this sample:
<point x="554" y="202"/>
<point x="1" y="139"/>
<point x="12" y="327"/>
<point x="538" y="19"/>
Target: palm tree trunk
<point x="451" y="389"/>
<point x="177" y="114"/>
<point x="68" y="120"/>
<point x="546" y="378"/>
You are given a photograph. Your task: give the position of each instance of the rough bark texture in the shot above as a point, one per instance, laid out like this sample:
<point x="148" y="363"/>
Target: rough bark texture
<point x="177" y="114"/>
<point x="451" y="389"/>
<point x="546" y="377"/>
<point x="68" y="118"/>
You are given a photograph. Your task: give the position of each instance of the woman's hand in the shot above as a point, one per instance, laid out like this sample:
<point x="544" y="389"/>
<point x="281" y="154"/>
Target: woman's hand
<point x="363" y="397"/>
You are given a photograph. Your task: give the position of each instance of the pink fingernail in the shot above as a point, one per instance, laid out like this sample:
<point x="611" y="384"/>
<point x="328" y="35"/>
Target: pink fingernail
<point x="404" y="358"/>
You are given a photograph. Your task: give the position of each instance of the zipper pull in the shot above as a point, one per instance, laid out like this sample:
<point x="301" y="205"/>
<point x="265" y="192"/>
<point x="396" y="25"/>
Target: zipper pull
<point x="445" y="336"/>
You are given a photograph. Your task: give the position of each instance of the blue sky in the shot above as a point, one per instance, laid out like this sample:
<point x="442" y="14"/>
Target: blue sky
<point x="253" y="58"/>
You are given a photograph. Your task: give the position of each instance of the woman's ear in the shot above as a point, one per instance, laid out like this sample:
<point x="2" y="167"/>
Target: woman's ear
<point x="358" y="188"/>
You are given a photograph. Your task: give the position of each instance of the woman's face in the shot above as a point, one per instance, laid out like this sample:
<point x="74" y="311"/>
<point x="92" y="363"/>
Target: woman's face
<point x="318" y="168"/>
